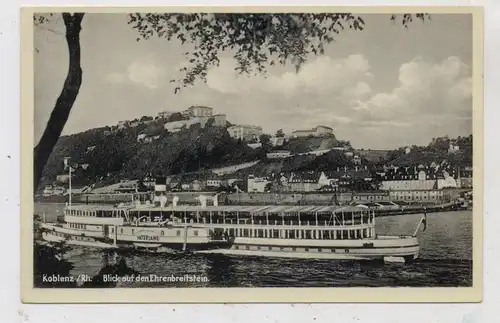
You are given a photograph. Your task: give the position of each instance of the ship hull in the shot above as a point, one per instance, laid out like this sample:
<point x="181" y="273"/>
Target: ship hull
<point x="313" y="256"/>
<point x="399" y="249"/>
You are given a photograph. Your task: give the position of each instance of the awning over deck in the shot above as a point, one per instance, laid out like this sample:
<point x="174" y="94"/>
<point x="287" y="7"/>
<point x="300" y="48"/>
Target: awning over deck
<point x="255" y="209"/>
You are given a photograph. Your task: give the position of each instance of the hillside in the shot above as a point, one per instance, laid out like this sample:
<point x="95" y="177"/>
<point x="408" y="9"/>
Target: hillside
<point x="118" y="154"/>
<point x="436" y="151"/>
<point x="302" y="145"/>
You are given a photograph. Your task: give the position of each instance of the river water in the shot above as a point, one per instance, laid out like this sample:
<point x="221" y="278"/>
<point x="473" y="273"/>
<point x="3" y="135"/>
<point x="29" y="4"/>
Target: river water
<point x="445" y="261"/>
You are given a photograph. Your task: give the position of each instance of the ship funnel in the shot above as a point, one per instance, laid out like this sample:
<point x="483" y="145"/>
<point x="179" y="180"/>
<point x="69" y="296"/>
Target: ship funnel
<point x="175" y="200"/>
<point x="203" y="200"/>
<point x="163" y="201"/>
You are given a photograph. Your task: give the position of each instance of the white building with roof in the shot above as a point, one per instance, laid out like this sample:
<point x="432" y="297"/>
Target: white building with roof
<point x="244" y="132"/>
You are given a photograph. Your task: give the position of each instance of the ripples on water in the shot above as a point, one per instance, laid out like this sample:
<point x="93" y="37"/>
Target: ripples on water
<point x="445" y="261"/>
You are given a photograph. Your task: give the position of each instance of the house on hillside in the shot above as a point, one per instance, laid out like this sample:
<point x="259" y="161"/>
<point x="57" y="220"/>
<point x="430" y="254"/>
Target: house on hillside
<point x="219" y="120"/>
<point x="50" y="190"/>
<point x="199" y="111"/>
<point x="213" y="183"/>
<point x="257" y="184"/>
<point x="453" y="148"/>
<point x="277" y="154"/>
<point x="318" y="131"/>
<point x="356" y="160"/>
<point x="90" y="148"/>
<point x="277" y="141"/>
<point x="302" y="182"/>
<point x="244" y="132"/>
<point x="325" y="180"/>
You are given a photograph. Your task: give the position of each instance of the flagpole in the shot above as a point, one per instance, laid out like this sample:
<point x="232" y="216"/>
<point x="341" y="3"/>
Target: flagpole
<point x="69" y="184"/>
<point x="418" y="226"/>
<point x="420" y="223"/>
<point x="67" y="163"/>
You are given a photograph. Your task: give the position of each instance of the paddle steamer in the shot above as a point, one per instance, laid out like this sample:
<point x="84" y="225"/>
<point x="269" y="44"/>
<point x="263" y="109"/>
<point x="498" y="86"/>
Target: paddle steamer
<point x="322" y="232"/>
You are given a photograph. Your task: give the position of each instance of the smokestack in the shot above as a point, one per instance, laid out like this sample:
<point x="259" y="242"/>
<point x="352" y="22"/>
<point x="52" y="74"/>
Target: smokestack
<point x="175" y="199"/>
<point x="203" y="201"/>
<point x="163" y="201"/>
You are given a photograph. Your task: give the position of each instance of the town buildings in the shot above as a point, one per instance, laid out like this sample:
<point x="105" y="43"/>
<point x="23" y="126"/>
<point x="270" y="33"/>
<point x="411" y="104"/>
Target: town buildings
<point x="257" y="184"/>
<point x="418" y="178"/>
<point x="245" y="132"/>
<point x="419" y="195"/>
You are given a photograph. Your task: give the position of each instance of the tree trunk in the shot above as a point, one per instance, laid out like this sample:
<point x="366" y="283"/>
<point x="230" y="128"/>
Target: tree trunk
<point x="66" y="99"/>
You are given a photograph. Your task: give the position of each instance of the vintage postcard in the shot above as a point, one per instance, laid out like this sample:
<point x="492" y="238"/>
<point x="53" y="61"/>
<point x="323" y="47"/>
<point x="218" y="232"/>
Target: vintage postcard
<point x="265" y="154"/>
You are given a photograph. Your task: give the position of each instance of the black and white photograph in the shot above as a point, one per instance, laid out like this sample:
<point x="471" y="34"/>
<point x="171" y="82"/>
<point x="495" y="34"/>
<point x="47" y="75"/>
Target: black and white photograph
<point x="317" y="148"/>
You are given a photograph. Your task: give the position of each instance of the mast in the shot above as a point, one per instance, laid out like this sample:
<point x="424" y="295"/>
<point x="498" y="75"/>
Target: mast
<point x="69" y="185"/>
<point x="68" y="164"/>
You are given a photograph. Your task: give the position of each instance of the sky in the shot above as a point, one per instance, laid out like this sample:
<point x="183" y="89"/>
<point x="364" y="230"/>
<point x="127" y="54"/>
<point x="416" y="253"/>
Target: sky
<point x="380" y="88"/>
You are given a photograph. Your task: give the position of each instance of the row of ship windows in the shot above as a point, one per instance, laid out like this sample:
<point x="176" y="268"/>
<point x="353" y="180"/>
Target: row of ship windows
<point x="162" y="233"/>
<point x="95" y="214"/>
<point x="78" y="238"/>
<point x="294" y="249"/>
<point x="77" y="226"/>
<point x="417" y="196"/>
<point x="302" y="234"/>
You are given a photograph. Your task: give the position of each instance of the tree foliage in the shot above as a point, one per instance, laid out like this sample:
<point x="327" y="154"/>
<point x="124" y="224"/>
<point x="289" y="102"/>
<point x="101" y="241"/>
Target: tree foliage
<point x="435" y="151"/>
<point x="280" y="133"/>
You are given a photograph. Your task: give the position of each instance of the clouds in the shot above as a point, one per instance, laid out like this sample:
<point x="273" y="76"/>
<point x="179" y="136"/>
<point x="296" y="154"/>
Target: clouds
<point x="340" y="92"/>
<point x="425" y="88"/>
<point x="320" y="75"/>
<point x="344" y="93"/>
<point x="146" y="71"/>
